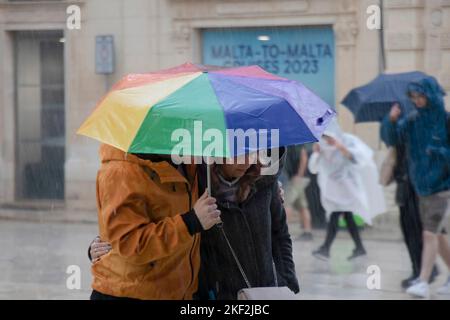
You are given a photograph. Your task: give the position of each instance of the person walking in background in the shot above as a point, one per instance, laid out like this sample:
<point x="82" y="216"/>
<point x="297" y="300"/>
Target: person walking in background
<point x="425" y="135"/>
<point x="295" y="181"/>
<point x="347" y="177"/>
<point x="410" y="224"/>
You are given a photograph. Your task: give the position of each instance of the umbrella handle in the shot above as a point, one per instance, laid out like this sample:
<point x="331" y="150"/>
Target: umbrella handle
<point x="208" y="184"/>
<point x="208" y="177"/>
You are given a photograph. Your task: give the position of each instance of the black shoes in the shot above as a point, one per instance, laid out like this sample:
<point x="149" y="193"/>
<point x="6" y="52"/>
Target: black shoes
<point x="321" y="254"/>
<point x="408" y="282"/>
<point x="305" y="236"/>
<point x="324" y="254"/>
<point x="358" y="252"/>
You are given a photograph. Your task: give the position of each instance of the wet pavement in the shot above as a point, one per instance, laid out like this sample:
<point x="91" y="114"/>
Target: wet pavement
<point x="35" y="258"/>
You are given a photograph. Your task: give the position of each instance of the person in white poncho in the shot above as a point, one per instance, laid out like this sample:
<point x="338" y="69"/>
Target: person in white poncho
<point x="348" y="181"/>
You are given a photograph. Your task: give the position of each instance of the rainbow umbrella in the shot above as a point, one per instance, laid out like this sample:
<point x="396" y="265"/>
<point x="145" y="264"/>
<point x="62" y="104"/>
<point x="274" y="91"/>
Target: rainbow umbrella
<point x="144" y="113"/>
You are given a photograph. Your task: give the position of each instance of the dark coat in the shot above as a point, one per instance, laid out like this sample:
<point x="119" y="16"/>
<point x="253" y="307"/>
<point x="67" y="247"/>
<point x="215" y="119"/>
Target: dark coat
<point x="405" y="189"/>
<point x="258" y="233"/>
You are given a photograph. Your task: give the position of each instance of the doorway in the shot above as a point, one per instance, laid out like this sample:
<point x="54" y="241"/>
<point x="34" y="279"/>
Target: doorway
<point x="40" y="115"/>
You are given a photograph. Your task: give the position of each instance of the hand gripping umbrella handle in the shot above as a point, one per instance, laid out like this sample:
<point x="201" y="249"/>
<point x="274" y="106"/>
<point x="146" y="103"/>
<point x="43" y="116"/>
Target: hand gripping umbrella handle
<point x="208" y="183"/>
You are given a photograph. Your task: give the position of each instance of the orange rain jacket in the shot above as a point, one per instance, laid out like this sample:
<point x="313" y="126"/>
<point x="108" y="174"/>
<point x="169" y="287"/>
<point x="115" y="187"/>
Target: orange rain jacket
<point x="140" y="203"/>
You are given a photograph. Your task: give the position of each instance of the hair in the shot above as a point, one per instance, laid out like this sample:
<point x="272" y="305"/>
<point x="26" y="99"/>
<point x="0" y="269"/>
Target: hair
<point x="415" y="89"/>
<point x="246" y="182"/>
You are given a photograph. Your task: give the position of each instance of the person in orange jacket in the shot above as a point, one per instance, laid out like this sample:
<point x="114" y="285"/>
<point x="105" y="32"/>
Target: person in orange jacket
<point x="150" y="213"/>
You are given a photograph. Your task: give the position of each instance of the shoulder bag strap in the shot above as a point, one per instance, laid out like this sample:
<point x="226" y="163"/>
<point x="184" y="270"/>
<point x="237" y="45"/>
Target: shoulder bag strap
<point x="235" y="258"/>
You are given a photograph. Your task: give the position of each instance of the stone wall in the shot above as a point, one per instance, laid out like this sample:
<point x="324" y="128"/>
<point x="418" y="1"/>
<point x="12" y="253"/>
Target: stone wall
<point x="150" y="35"/>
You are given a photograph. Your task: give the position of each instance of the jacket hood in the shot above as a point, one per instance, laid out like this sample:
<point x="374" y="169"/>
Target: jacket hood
<point x="163" y="168"/>
<point x="430" y="88"/>
<point x="109" y="153"/>
<point x="334" y="130"/>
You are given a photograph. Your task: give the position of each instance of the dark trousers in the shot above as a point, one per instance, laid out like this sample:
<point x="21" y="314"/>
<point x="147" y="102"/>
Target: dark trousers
<point x="333" y="228"/>
<point x="411" y="227"/>
<point x="95" y="295"/>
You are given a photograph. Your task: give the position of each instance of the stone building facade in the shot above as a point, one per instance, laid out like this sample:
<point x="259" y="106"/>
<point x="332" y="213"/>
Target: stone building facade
<point x="154" y="34"/>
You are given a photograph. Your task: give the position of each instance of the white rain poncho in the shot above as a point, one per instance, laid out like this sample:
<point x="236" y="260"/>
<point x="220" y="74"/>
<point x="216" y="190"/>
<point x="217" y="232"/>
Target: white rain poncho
<point x="348" y="185"/>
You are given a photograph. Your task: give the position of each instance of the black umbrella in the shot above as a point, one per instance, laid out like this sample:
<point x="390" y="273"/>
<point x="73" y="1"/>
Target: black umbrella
<point x="373" y="101"/>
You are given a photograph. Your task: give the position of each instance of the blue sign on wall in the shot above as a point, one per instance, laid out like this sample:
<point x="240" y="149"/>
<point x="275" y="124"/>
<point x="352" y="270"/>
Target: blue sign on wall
<point x="104" y="54"/>
<point x="305" y="54"/>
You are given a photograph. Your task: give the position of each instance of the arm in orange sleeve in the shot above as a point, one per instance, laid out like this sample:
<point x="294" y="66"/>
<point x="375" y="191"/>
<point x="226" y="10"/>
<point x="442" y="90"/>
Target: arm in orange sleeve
<point x="124" y="211"/>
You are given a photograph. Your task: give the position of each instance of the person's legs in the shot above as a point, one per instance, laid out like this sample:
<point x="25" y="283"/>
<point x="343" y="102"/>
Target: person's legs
<point x="411" y="226"/>
<point x="444" y="249"/>
<point x="434" y="209"/>
<point x="331" y="230"/>
<point x="305" y="218"/>
<point x="289" y="212"/>
<point x="290" y="197"/>
<point x="305" y="221"/>
<point x="305" y="215"/>
<point x="298" y="206"/>
<point x="353" y="230"/>
<point x="412" y="231"/>
<point x="406" y="232"/>
<point x="323" y="252"/>
<point x="429" y="254"/>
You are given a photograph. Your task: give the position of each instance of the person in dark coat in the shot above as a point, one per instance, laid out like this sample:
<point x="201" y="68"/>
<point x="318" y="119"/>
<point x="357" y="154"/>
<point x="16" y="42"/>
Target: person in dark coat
<point x="254" y="223"/>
